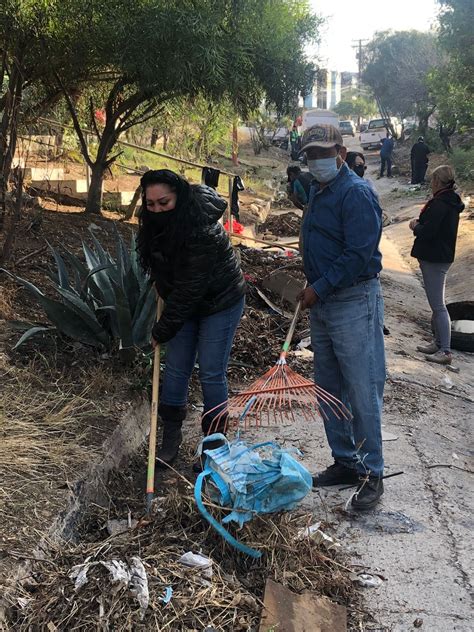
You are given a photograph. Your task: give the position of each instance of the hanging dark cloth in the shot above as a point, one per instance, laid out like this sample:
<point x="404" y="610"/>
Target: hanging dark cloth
<point x="237" y="186"/>
<point x="210" y="177"/>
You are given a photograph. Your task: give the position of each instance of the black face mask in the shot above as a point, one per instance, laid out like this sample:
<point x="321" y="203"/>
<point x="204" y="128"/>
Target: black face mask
<point x="160" y="220"/>
<point x="360" y="170"/>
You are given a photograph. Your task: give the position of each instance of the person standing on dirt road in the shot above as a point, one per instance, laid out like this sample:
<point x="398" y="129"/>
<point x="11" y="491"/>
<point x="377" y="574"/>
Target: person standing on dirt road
<point x="341" y="234"/>
<point x="419" y="161"/>
<point x="435" y="233"/>
<point x="192" y="263"/>
<point x="386" y="155"/>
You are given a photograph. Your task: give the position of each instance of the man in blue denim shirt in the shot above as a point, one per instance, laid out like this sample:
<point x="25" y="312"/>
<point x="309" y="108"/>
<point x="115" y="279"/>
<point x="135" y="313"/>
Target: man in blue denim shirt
<point x="341" y="234"/>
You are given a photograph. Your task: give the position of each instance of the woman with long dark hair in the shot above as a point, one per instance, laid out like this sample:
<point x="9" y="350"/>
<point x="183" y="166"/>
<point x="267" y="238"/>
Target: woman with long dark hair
<point x="192" y="263"/>
<point x="436" y="231"/>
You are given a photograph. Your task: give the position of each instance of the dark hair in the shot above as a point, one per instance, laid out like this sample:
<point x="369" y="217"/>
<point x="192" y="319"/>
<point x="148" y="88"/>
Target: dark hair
<point x="293" y="169"/>
<point x="183" y="219"/>
<point x="351" y="158"/>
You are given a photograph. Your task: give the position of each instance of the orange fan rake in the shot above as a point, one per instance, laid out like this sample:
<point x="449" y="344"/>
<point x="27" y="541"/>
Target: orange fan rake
<point x="277" y="395"/>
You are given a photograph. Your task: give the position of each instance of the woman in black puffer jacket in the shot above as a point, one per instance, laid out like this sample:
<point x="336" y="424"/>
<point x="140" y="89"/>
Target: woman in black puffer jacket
<point x="192" y="263"/>
<point x="436" y="232"/>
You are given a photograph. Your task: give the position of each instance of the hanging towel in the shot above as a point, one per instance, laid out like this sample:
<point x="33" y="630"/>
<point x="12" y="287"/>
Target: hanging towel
<point x="237" y="186"/>
<point x="210" y="176"/>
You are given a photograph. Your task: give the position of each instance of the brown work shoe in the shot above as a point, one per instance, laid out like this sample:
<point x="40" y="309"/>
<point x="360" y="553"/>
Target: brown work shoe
<point x="440" y="357"/>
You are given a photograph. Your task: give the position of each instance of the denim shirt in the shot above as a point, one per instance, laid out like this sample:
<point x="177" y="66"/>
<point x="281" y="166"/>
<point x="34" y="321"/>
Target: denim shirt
<point x="341" y="234"/>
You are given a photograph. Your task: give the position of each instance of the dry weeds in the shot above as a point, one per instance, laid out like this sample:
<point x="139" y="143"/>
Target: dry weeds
<point x="231" y="600"/>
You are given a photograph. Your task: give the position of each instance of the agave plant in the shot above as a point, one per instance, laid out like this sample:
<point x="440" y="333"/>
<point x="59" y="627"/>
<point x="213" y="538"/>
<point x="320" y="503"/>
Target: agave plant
<point x="101" y="301"/>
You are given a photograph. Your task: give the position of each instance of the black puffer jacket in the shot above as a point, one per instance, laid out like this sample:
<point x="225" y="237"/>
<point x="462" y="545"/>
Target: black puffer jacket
<point x="200" y="278"/>
<point x="436" y="233"/>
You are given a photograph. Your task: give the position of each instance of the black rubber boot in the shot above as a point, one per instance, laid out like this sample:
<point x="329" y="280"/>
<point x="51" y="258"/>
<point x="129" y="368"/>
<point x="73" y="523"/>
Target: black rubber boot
<point x="172" y="417"/>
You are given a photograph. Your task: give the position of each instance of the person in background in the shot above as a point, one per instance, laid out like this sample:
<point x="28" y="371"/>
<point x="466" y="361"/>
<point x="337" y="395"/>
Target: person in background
<point x="299" y="183"/>
<point x="295" y="142"/>
<point x="386" y="155"/>
<point x="435" y="233"/>
<point x="356" y="161"/>
<point x="342" y="263"/>
<point x="187" y="253"/>
<point x="419" y="161"/>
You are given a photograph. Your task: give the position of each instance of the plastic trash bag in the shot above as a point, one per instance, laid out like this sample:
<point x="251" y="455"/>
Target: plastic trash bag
<point x="252" y="479"/>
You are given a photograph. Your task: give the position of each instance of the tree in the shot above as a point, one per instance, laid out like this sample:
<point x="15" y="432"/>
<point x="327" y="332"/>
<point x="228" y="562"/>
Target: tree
<point x="452" y="84"/>
<point x="154" y="51"/>
<point x="396" y="66"/>
<point x="356" y="105"/>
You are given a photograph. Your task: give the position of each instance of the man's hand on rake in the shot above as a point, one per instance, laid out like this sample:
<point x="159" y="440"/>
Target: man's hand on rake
<point x="308" y="297"/>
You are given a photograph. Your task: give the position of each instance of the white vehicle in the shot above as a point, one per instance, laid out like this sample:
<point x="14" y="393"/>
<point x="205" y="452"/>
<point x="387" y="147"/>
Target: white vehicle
<point x="377" y="129"/>
<point x="315" y="116"/>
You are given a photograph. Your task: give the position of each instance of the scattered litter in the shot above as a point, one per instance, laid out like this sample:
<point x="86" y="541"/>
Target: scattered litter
<point x="417" y="623"/>
<point x="195" y="560"/>
<point x="286" y="610"/>
<point x="367" y="581"/>
<point x="131" y="576"/>
<point x="388" y="436"/>
<point x="447" y="382"/>
<point x="116" y="527"/>
<point x="305" y="354"/>
<point x="317" y="535"/>
<point x="455" y="456"/>
<point x="167" y="596"/>
<point x="453" y="369"/>
<point x="305" y="343"/>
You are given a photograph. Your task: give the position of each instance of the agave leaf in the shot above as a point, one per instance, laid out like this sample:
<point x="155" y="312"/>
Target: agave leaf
<point x="131" y="289"/>
<point x="31" y="332"/>
<point x="122" y="252"/>
<point x="92" y="260"/>
<point x="82" y="309"/>
<point x="101" y="279"/>
<point x="63" y="276"/>
<point x="124" y="317"/>
<point x="102" y="254"/>
<point x="144" y="319"/>
<point x="64" y="316"/>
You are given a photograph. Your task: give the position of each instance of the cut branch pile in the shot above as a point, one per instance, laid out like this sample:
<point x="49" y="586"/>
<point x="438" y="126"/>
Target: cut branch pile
<point x="284" y="225"/>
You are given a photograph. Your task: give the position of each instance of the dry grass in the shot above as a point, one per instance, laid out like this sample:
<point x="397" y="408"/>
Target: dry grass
<point x="231" y="600"/>
<point x="7" y="300"/>
<point x="44" y="444"/>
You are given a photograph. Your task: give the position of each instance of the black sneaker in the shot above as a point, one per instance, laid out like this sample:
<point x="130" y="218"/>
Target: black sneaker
<point x="369" y="493"/>
<point x="336" y="474"/>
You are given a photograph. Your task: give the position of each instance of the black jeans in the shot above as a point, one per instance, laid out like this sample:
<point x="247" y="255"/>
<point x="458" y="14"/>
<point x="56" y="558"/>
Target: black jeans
<point x="418" y="172"/>
<point x="385" y="161"/>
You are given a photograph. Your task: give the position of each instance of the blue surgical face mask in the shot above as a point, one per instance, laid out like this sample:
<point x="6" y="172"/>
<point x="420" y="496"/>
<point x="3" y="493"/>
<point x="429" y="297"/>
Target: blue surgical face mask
<point x="324" y="169"/>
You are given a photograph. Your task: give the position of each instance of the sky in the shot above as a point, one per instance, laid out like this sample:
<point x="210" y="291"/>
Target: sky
<point x="348" y="21"/>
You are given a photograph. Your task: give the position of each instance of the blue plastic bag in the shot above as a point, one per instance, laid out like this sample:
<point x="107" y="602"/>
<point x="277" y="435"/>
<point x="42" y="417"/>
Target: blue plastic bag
<point x="252" y="479"/>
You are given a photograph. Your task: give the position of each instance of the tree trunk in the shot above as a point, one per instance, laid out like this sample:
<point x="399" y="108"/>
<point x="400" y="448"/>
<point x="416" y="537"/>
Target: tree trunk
<point x="133" y="204"/>
<point x="95" y="194"/>
<point x="165" y="140"/>
<point x="235" y="143"/>
<point x="154" y="137"/>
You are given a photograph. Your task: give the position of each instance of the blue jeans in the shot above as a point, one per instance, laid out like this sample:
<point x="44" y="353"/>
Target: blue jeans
<point x="349" y="363"/>
<point x="210" y="340"/>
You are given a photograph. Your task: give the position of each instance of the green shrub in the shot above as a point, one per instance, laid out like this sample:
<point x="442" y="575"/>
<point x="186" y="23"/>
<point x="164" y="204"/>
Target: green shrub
<point x="102" y="301"/>
<point x="463" y="163"/>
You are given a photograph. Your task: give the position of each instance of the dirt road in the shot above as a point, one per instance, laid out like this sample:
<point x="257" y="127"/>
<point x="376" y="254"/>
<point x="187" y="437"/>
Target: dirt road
<point x="419" y="539"/>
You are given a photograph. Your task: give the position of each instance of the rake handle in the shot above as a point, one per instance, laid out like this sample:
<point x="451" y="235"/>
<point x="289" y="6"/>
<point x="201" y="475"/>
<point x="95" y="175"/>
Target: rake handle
<point x="150" y="479"/>
<point x="291" y="330"/>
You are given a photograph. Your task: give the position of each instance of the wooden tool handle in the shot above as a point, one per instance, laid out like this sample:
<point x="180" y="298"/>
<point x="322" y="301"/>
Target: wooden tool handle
<point x="150" y="481"/>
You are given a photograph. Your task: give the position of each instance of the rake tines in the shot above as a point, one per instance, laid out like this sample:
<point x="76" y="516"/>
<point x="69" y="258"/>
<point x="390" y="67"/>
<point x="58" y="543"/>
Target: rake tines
<point x="276" y="396"/>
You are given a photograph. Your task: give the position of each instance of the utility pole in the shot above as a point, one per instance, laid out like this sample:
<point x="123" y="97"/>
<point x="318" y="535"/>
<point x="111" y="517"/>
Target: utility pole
<point x="358" y="45"/>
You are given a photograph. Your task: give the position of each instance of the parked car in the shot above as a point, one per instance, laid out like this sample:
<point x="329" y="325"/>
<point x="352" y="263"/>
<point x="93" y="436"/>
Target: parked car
<point x="347" y="128"/>
<point x="363" y="127"/>
<point x="376" y="130"/>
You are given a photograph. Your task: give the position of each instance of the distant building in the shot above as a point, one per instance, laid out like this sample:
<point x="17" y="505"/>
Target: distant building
<point x="326" y="92"/>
